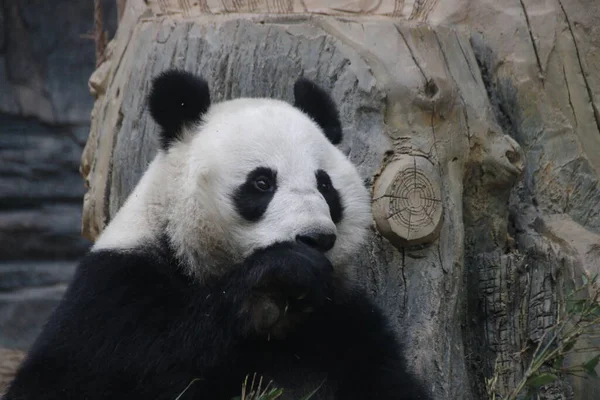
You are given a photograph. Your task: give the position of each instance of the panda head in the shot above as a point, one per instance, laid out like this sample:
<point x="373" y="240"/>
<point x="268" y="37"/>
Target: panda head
<point x="243" y="174"/>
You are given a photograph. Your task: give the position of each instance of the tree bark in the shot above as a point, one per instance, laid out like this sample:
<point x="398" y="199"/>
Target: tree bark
<point x="490" y="109"/>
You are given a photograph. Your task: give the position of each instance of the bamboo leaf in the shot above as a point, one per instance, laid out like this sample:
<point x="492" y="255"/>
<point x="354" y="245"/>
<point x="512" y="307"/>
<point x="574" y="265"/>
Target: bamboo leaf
<point x="558" y="361"/>
<point x="541" y="380"/>
<point x="187" y="387"/>
<point x="590" y="366"/>
<point x="569" y="345"/>
<point x="311" y="394"/>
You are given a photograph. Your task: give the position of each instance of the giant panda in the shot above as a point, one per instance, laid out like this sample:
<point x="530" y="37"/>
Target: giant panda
<point x="230" y="260"/>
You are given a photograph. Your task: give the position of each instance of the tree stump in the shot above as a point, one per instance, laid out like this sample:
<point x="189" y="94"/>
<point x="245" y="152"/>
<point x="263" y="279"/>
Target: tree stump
<point x="441" y="122"/>
<point x="407" y="201"/>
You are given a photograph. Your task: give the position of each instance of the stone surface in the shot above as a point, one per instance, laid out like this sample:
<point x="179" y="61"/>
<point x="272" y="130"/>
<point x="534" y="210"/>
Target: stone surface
<point x="40" y="220"/>
<point x="18" y="275"/>
<point x="46" y="58"/>
<point x="48" y="232"/>
<point x="40" y="163"/>
<point x="23" y="313"/>
<point x="45" y="61"/>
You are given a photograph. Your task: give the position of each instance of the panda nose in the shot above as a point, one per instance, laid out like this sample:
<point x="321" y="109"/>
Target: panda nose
<point x="320" y="241"/>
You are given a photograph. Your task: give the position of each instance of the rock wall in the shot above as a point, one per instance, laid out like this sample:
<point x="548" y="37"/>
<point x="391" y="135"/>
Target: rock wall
<point x="46" y="58"/>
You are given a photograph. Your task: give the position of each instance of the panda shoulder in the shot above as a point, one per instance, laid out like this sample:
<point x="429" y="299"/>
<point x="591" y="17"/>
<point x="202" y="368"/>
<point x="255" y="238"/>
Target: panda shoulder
<point x="106" y="277"/>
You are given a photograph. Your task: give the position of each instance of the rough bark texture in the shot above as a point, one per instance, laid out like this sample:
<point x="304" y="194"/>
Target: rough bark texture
<point x="487" y="92"/>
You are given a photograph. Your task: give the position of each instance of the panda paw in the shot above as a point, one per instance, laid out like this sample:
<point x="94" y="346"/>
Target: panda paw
<point x="288" y="282"/>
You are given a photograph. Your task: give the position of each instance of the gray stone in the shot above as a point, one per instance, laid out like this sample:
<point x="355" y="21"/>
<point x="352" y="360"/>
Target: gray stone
<point x="24" y="312"/>
<point x="40" y="190"/>
<point x="19" y="275"/>
<point x="48" y="232"/>
<point x="47" y="59"/>
<point x="39" y="162"/>
<point x="2" y="23"/>
<point x="45" y="62"/>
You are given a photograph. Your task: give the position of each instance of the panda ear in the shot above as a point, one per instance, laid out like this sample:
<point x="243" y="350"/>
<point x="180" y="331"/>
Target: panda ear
<point x="317" y="103"/>
<point x="177" y="98"/>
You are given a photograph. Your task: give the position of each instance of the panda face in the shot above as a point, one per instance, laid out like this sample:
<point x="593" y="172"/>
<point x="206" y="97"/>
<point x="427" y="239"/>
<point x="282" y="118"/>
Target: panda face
<point x="266" y="173"/>
<point x="241" y="175"/>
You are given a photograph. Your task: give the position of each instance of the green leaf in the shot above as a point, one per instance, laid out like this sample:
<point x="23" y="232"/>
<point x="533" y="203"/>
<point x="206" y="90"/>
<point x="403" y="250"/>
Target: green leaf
<point x="569" y="345"/>
<point x="575" y="306"/>
<point x="590" y="366"/>
<point x="558" y="362"/>
<point x="593" y="374"/>
<point x="271" y="395"/>
<point x="595" y="311"/>
<point x="541" y="380"/>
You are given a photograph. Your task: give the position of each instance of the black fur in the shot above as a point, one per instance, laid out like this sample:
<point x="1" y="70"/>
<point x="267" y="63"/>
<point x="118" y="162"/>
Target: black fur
<point x="317" y="103"/>
<point x="252" y="201"/>
<point x="318" y="240"/>
<point x="131" y="326"/>
<point x="177" y="98"/>
<point x="331" y="195"/>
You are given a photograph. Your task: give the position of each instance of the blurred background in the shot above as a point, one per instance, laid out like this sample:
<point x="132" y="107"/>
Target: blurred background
<point x="47" y="54"/>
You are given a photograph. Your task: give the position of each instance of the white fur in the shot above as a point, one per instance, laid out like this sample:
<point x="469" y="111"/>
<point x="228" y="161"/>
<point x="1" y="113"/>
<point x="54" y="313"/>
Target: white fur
<point x="187" y="191"/>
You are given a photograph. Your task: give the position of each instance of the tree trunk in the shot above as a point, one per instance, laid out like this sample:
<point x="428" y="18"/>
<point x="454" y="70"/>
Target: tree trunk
<point x="489" y="109"/>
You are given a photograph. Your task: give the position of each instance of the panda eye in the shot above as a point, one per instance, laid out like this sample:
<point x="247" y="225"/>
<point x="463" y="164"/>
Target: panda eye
<point x="263" y="184"/>
<point x="325" y="186"/>
<point x="323" y="181"/>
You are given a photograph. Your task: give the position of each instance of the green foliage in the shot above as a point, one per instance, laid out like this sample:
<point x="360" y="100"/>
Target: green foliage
<point x="250" y="393"/>
<point x="580" y="319"/>
<point x="268" y="393"/>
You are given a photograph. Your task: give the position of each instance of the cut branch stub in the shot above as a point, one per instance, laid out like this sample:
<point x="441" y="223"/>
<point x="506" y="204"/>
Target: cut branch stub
<point x="407" y="204"/>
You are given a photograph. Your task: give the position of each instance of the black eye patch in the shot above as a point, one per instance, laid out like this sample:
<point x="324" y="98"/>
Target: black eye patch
<point x="252" y="198"/>
<point x="331" y="195"/>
